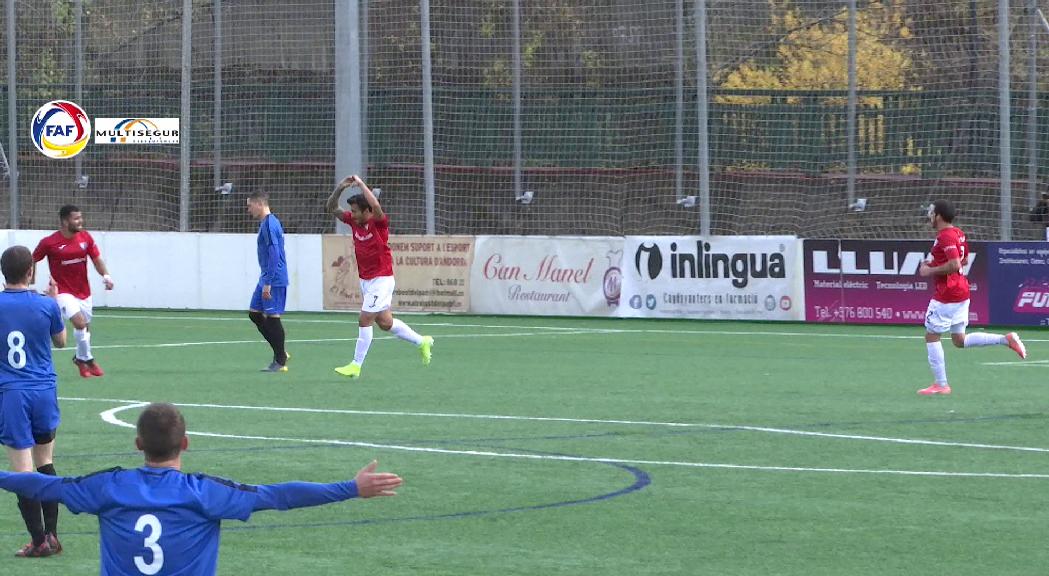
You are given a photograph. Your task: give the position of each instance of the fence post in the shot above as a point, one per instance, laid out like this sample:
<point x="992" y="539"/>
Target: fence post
<point x="78" y="75"/>
<point x="851" y="119"/>
<point x="679" y="101"/>
<point x="347" y="94"/>
<point x="12" y="114"/>
<point x="1032" y="102"/>
<point x="702" y="103"/>
<point x="1004" y="129"/>
<point x="216" y="144"/>
<point x="185" y="124"/>
<point x="518" y="148"/>
<point x="428" y="174"/>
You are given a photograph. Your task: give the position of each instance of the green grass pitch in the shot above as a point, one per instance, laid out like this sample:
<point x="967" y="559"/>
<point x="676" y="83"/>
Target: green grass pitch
<point x="546" y="446"/>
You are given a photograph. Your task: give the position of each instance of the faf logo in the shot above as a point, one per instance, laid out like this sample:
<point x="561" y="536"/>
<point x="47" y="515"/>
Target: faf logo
<point x="60" y="129"/>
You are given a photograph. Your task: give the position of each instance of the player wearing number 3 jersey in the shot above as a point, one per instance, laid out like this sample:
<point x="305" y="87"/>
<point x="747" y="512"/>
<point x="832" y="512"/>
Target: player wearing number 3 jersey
<point x="949" y="308"/>
<point x="29" y="325"/>
<point x="158" y="520"/>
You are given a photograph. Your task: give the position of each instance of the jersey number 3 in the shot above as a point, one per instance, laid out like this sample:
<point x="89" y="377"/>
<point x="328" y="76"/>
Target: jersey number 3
<point x="153" y="523"/>
<point x="16" y="356"/>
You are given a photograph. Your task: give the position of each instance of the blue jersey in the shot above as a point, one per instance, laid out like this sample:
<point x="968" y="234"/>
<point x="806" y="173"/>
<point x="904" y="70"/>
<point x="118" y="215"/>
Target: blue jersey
<point x="27" y="322"/>
<point x="272" y="261"/>
<point x="160" y="521"/>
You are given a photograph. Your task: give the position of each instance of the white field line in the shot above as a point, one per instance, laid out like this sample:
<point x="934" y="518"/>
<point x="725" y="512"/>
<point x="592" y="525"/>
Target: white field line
<point x="316" y="340"/>
<point x="566" y="328"/>
<point x="110" y="416"/>
<point x="765" y="429"/>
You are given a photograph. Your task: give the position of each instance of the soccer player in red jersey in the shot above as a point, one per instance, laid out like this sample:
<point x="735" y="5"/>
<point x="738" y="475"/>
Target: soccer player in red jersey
<point x="949" y="308"/>
<point x="67" y="251"/>
<point x="371" y="235"/>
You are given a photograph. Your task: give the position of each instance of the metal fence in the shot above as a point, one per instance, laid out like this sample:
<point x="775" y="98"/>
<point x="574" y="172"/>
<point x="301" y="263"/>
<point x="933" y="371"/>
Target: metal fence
<point x="809" y="117"/>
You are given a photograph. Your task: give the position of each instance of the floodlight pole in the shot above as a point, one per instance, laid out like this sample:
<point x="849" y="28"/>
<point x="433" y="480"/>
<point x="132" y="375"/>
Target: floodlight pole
<point x="850" y="121"/>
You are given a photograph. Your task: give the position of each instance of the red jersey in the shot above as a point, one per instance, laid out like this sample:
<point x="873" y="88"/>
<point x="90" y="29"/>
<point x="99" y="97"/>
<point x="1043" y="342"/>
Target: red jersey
<point x="371" y="245"/>
<point x="67" y="260"/>
<point x="950" y="244"/>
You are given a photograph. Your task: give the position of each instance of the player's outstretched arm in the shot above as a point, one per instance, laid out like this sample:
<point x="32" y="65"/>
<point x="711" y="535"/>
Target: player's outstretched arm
<point x="33" y="486"/>
<point x="366" y="484"/>
<point x="372" y="200"/>
<point x="331" y="206"/>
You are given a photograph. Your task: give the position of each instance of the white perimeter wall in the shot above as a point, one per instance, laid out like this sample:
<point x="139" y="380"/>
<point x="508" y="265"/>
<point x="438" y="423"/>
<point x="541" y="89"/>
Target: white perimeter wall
<point x="191" y="271"/>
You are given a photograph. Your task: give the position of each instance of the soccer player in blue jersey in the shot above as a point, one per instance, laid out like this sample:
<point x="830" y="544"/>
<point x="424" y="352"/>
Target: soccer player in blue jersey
<point x="159" y="520"/>
<point x="267" y="304"/>
<point x="29" y="324"/>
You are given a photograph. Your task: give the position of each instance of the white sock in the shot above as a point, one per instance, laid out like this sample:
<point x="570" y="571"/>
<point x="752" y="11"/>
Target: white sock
<point x="402" y="331"/>
<point x="984" y="339"/>
<point x="364" y="341"/>
<point x="83" y="344"/>
<point x="936" y="362"/>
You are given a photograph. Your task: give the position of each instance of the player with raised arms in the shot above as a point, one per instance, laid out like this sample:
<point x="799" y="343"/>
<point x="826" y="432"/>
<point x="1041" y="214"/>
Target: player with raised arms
<point x="371" y="236"/>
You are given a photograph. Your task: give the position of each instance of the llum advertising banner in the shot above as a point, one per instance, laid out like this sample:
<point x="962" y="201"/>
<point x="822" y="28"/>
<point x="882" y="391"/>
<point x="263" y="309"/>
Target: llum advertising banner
<point x="877" y="281"/>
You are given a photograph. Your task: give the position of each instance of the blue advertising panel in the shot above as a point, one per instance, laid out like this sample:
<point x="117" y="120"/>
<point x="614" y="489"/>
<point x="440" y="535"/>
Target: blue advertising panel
<point x="1019" y="277"/>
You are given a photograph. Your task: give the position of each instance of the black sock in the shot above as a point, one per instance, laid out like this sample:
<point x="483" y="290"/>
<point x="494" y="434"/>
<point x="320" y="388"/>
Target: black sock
<point x="30" y="510"/>
<point x="276" y="332"/>
<point x="259" y="320"/>
<point x="264" y="328"/>
<point x="50" y="509"/>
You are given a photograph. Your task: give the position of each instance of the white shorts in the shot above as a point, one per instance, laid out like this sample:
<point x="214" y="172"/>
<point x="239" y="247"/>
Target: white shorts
<point x="71" y="306"/>
<point x="377" y="293"/>
<point x="942" y="316"/>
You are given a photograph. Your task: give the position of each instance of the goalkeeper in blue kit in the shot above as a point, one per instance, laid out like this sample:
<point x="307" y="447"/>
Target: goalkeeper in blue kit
<point x="157" y="520"/>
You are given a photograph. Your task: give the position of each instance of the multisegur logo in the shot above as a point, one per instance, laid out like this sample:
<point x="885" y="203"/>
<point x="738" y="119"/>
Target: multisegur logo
<point x="136" y="130"/>
<point x="60" y="129"/>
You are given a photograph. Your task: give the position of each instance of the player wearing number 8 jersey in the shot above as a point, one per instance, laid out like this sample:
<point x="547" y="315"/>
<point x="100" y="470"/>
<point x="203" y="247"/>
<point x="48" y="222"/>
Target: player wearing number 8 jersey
<point x="949" y="308"/>
<point x="371" y="235"/>
<point x="29" y="416"/>
<point x="158" y="520"/>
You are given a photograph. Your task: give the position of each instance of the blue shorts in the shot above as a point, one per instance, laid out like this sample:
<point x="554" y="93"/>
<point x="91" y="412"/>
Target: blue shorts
<point x="272" y="307"/>
<point x="28" y="417"/>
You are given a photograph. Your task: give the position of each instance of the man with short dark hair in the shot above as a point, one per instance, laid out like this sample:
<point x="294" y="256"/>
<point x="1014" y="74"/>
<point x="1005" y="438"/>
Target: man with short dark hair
<point x="157" y="519"/>
<point x="371" y="247"/>
<point x="67" y="251"/>
<point x="268" y="301"/>
<point x="949" y="307"/>
<point x="29" y="415"/>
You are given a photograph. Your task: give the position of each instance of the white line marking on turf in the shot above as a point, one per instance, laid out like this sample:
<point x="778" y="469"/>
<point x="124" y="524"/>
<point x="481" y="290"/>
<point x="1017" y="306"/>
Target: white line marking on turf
<point x="785" y="431"/>
<point x="322" y="340"/>
<point x="578" y="329"/>
<point x="110" y="416"/>
<point x="1020" y="363"/>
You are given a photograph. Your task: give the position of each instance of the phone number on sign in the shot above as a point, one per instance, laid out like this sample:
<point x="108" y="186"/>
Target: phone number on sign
<point x="855" y="312"/>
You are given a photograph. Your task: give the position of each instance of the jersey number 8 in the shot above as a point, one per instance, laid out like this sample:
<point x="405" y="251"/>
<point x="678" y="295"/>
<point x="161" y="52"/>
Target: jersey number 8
<point x="16" y="355"/>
